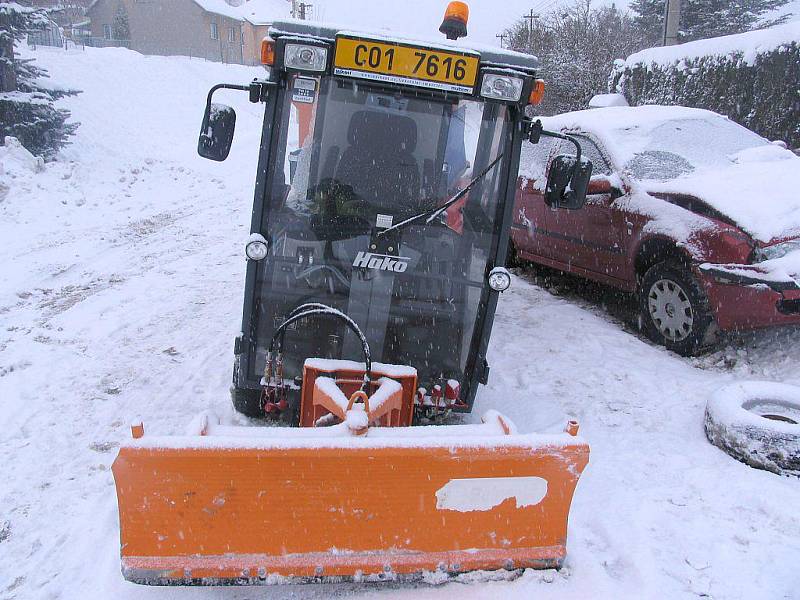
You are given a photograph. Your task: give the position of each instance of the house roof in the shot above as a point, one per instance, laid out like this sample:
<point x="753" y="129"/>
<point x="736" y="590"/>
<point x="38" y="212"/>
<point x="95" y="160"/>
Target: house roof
<point x="257" y="12"/>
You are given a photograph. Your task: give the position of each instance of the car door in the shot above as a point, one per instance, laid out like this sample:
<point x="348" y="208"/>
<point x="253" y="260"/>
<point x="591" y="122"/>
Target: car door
<point x="530" y="211"/>
<point x="588" y="238"/>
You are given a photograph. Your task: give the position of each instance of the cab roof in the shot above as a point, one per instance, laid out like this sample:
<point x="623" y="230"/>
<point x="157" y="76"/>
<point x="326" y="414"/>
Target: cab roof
<point x="490" y="55"/>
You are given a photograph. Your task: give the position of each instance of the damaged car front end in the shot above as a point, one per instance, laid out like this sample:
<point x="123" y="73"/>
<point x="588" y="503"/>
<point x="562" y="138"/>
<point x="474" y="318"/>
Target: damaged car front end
<point x="761" y="294"/>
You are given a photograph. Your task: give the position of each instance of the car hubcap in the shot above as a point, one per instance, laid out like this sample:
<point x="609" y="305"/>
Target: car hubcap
<point x="670" y="310"/>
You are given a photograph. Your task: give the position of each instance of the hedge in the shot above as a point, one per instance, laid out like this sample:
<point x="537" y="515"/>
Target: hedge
<point x="760" y="90"/>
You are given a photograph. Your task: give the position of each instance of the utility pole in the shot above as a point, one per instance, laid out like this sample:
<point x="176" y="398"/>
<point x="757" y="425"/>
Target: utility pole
<point x="672" y="20"/>
<point x="303" y="7"/>
<point x="502" y="37"/>
<point x="530" y="17"/>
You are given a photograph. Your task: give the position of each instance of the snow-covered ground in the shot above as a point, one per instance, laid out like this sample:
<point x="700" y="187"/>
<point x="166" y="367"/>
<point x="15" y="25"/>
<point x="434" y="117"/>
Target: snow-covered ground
<point x="120" y="295"/>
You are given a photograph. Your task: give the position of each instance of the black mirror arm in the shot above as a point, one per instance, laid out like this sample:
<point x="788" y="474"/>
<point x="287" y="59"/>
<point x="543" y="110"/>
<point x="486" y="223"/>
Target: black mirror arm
<point x="535" y="130"/>
<point x="257" y="88"/>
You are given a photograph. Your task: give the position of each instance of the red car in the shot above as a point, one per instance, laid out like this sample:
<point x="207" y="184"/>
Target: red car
<point x="697" y="215"/>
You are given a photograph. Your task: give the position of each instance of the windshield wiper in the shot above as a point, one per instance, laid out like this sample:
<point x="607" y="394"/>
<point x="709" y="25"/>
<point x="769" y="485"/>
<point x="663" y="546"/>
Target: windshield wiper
<point x="430" y="215"/>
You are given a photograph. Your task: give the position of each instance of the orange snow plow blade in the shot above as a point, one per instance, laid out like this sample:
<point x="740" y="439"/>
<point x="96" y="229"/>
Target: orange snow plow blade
<point x="244" y="505"/>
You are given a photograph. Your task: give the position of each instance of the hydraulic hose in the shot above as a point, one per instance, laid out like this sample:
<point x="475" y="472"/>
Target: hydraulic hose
<point x="317" y="309"/>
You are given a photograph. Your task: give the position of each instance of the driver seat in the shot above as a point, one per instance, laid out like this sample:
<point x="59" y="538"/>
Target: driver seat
<point x="379" y="163"/>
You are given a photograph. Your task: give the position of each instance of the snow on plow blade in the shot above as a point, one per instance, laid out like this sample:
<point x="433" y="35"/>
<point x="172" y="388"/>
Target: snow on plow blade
<point x="244" y="505"/>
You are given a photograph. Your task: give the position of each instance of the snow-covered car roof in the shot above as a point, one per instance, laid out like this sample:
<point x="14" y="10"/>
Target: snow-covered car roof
<point x="605" y="120"/>
<point x="694" y="152"/>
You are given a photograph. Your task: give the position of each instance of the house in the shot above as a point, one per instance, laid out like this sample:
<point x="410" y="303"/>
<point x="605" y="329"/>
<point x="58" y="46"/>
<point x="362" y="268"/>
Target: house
<point x="220" y="30"/>
<point x="69" y="15"/>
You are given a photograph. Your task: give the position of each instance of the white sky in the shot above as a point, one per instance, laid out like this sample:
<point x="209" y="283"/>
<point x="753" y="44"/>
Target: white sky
<point x="421" y="18"/>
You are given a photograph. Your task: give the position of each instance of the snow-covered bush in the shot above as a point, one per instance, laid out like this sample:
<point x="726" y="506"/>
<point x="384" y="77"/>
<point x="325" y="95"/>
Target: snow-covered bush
<point x="754" y="78"/>
<point x="27" y="110"/>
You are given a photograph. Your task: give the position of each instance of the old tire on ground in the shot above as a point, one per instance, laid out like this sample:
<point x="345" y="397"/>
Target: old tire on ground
<point x="674" y="308"/>
<point x="757" y="423"/>
<point x="247" y="402"/>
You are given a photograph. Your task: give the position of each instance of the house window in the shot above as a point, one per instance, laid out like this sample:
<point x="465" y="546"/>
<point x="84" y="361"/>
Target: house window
<point x="214" y="32"/>
<point x="231" y="34"/>
<point x="107" y="31"/>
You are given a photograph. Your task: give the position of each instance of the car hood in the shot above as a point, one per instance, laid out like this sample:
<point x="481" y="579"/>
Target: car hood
<point x="759" y="191"/>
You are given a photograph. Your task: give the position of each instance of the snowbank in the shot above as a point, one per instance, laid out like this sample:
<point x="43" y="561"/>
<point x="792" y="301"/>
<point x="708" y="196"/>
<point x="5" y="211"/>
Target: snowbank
<point x="749" y="45"/>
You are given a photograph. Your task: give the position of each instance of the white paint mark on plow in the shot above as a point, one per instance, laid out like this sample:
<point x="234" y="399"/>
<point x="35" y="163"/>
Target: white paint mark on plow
<point x="484" y="493"/>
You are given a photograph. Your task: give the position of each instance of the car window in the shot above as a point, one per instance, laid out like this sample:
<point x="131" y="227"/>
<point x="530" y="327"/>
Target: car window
<point x="533" y="158"/>
<point x="590" y="150"/>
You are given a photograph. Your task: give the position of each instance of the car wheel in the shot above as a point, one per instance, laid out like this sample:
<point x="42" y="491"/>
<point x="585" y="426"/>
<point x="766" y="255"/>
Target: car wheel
<point x="247" y="402"/>
<point x="675" y="311"/>
<point x="758" y="423"/>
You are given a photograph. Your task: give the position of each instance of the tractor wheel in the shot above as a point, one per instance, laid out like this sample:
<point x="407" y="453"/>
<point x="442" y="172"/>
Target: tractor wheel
<point x="247" y="402"/>
<point x="758" y="423"/>
<point x="674" y="308"/>
<point x="512" y="258"/>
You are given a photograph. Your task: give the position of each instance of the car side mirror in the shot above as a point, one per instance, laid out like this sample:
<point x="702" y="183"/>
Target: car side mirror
<point x="568" y="182"/>
<point x="216" y="133"/>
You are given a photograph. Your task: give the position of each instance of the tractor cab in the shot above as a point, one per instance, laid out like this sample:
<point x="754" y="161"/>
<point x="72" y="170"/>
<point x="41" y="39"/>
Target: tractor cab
<point x="384" y="191"/>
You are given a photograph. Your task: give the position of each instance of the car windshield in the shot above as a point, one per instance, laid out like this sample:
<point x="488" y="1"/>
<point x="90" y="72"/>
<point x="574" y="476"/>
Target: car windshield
<point x="679" y="147"/>
<point x="353" y="160"/>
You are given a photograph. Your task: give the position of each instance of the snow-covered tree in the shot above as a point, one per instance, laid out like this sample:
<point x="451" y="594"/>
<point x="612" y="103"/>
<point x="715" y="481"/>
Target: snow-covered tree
<point x="649" y="17"/>
<point x="120" y="27"/>
<point x="708" y="18"/>
<point x="577" y="46"/>
<point x="27" y="110"/>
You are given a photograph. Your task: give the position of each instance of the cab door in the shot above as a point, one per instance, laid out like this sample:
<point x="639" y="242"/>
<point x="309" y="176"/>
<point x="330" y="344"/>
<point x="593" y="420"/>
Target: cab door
<point x="530" y="211"/>
<point x="589" y="238"/>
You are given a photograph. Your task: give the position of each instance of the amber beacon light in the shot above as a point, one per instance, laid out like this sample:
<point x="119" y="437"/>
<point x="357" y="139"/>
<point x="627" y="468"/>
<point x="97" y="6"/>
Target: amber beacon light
<point x="537" y="93"/>
<point x="268" y="51"/>
<point x="456" y="16"/>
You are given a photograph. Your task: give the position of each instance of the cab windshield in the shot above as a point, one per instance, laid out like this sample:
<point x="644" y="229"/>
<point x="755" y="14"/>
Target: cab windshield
<point x="351" y="161"/>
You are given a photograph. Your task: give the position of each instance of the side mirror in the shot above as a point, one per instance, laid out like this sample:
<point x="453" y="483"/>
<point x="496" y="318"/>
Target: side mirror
<point x="216" y="133"/>
<point x="568" y="182"/>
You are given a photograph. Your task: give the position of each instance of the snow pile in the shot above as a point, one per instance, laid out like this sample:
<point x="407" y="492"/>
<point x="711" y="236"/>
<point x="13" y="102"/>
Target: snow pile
<point x="749" y="45"/>
<point x="606" y="100"/>
<point x="16" y="160"/>
<point x="16" y="165"/>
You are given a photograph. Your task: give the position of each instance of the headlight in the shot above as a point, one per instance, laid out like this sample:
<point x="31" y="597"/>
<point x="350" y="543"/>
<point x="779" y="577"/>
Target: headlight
<point x="776" y="251"/>
<point x="256" y="248"/>
<point x="305" y="58"/>
<point x="502" y="87"/>
<point x="499" y="279"/>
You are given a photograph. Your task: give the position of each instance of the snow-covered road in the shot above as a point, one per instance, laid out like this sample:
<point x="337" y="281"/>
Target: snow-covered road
<point x="120" y="295"/>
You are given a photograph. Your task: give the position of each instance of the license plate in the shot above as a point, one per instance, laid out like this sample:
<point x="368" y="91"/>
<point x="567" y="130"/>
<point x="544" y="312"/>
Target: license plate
<point x="407" y="65"/>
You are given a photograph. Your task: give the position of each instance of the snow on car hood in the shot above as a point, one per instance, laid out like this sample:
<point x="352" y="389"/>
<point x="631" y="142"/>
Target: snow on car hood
<point x="759" y="191"/>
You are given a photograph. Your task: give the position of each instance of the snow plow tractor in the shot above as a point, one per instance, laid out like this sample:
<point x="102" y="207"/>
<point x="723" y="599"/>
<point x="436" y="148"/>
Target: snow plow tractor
<point x="383" y="202"/>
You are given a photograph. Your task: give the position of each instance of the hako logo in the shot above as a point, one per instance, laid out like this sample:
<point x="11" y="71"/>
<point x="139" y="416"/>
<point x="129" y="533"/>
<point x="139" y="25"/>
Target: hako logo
<point x="382" y="262"/>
